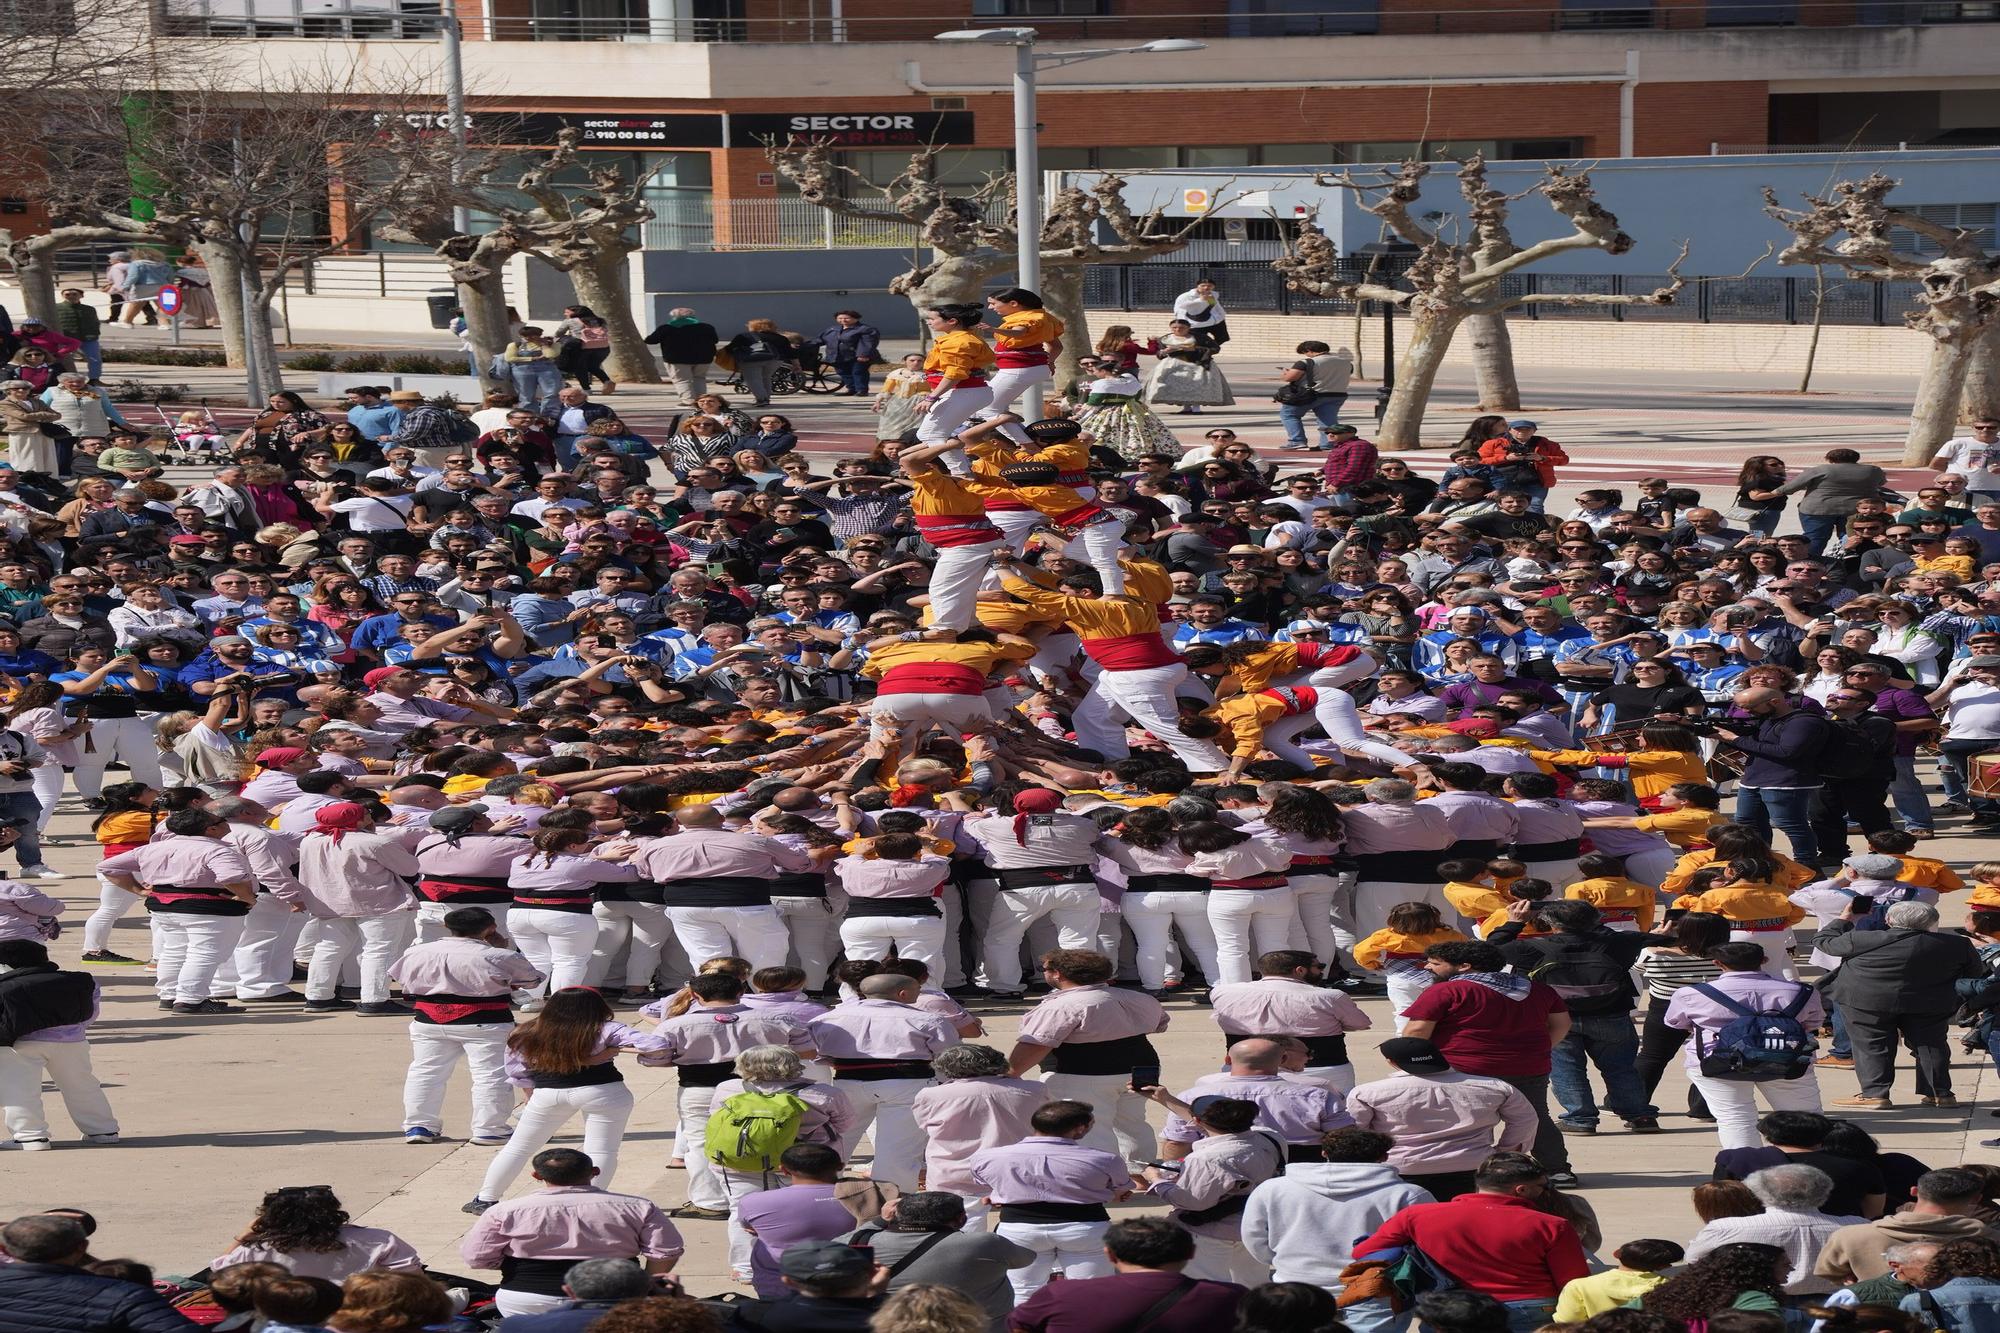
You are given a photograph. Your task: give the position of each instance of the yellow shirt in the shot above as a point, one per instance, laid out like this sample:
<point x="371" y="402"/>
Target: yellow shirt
<point x="1653" y="771"/>
<point x="1683" y="827"/>
<point x="1984" y="895"/>
<point x="1477" y="901"/>
<point x="1375" y="952"/>
<point x="1746" y="902"/>
<point x="1794" y="875"/>
<point x="1926" y="873"/>
<point x="1587" y="1296"/>
<point x="1615" y="893"/>
<point x="1025" y="330"/>
<point x="464" y="782"/>
<point x="127" y="826"/>
<point x="959" y="355"/>
<point x="980" y="657"/>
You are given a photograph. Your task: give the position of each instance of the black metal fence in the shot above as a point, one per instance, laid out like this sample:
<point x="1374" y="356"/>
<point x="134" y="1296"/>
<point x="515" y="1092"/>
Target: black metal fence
<point x="1259" y="289"/>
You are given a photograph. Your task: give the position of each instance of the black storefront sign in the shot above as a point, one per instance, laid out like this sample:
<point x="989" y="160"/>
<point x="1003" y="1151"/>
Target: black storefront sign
<point x="851" y="129"/>
<point x="606" y="129"/>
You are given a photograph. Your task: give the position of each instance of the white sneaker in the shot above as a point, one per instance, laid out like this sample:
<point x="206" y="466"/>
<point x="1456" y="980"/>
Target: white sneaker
<point x="32" y="1145"/>
<point x="42" y="872"/>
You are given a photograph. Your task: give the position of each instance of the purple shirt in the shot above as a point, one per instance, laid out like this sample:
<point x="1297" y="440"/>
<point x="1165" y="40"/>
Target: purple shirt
<point x="1899" y="706"/>
<point x="1477" y="694"/>
<point x="880" y="1030"/>
<point x="571" y="1222"/>
<point x="1120" y="1301"/>
<point x="1296" y="1109"/>
<point x="784" y="1217"/>
<point x="1475" y="815"/>
<point x="1619" y="841"/>
<point x="1691" y="1011"/>
<point x="1092" y="1013"/>
<point x="1044" y="1169"/>
<point x="790" y="1005"/>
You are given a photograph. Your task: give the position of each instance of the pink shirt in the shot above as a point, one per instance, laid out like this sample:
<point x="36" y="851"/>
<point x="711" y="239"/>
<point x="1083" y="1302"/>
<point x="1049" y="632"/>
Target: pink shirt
<point x="710" y="1036"/>
<point x="865" y="877"/>
<point x="1694" y="1012"/>
<point x="571" y="1222"/>
<point x="486" y="855"/>
<point x="400" y="715"/>
<point x="362" y="874"/>
<point x="1297" y="1110"/>
<point x="1444" y="1122"/>
<point x="1044" y="1169"/>
<point x="1281" y="1006"/>
<point x="194" y="863"/>
<point x="1396" y="828"/>
<point x="1092" y="1013"/>
<point x="271" y="856"/>
<point x="968" y="1114"/>
<point x="789" y="1005"/>
<point x="652" y="1051"/>
<point x="361" y="1248"/>
<point x="879" y="1030"/>
<point x="457" y="966"/>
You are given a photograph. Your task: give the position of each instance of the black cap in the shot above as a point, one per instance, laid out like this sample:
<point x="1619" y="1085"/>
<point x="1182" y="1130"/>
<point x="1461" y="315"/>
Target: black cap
<point x="1415" y="1055"/>
<point x="825" y="1261"/>
<point x="457" y="818"/>
<point x="1052" y="430"/>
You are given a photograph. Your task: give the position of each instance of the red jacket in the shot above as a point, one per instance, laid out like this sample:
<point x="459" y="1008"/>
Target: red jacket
<point x="1493" y="1243"/>
<point x="1547" y="454"/>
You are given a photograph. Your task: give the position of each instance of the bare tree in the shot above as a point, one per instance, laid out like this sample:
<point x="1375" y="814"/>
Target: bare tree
<point x="972" y="236"/>
<point x="59" y="48"/>
<point x="1852" y="228"/>
<point x="1451" y="282"/>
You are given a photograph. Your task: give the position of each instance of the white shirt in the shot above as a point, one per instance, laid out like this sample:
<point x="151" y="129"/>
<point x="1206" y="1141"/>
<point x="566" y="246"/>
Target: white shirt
<point x="1978" y="461"/>
<point x="536" y="507"/>
<point x="1199" y="311"/>
<point x="376" y="513"/>
<point x="1973" y="713"/>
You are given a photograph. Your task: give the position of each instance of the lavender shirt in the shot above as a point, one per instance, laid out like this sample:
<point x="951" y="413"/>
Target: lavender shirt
<point x="781" y="1218"/>
<point x="1296" y="1109"/>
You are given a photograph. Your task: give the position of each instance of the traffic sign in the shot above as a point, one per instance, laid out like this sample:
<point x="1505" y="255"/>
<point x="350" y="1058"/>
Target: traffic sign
<point x="169" y="299"/>
<point x="1195" y="201"/>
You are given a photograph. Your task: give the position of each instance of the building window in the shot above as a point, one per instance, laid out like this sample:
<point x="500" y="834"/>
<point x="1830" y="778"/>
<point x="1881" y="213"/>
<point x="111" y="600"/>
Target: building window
<point x="1975" y="218"/>
<point x="1021" y="9"/>
<point x="1217" y="157"/>
<point x="1585" y="14"/>
<point x="1301" y="18"/>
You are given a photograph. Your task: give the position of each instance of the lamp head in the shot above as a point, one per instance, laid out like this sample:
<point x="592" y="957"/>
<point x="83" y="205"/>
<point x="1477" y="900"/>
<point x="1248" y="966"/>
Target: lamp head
<point x="989" y="36"/>
<point x="1168" y="44"/>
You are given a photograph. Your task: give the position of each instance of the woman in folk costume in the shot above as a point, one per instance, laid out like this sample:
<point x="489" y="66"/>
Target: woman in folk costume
<point x="1027" y="342"/>
<point x="1186" y="376"/>
<point x="1115" y="414"/>
<point x="959" y="369"/>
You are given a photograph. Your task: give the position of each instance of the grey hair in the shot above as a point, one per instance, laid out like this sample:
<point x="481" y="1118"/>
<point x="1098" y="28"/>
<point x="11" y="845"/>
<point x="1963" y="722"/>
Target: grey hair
<point x="1797" y="1189"/>
<point x="1911" y="916"/>
<point x="969" y="1060"/>
<point x="76" y="375"/>
<point x="1909" y="1250"/>
<point x="607" y="1280"/>
<point x="769" y="1064"/>
<point x="1391" y="791"/>
<point x="1188" y="808"/>
<point x="228" y="807"/>
<point x="15" y="384"/>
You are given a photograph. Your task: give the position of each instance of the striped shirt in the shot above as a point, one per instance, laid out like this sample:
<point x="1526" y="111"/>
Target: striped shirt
<point x="872" y="511"/>
<point x="1665" y="972"/>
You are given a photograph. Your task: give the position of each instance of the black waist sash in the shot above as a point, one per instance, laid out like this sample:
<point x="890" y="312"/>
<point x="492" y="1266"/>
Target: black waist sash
<point x="1120" y="1055"/>
<point x="914" y="907"/>
<point x="541" y="1277"/>
<point x="1405" y="867"/>
<point x="874" y="1071"/>
<point x="1566" y="850"/>
<point x="705" y="1076"/>
<point x="1167" y="884"/>
<point x="793" y="884"/>
<point x="589" y="1076"/>
<point x="1053" y="1212"/>
<point x="1043" y="877"/>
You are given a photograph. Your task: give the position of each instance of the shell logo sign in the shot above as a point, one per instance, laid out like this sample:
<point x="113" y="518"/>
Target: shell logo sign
<point x="1196" y="201"/>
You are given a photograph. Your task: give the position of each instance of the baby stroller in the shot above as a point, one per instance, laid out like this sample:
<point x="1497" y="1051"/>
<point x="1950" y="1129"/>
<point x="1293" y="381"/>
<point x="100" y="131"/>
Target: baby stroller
<point x="195" y="439"/>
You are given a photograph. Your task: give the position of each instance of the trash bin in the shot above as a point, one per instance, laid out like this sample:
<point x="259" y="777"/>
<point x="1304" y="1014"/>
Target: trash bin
<point x="444" y="307"/>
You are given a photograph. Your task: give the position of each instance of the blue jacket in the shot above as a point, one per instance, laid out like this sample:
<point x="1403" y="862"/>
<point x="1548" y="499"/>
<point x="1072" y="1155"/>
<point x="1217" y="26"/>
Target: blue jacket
<point x="574" y="1317"/>
<point x="1962" y="1305"/>
<point x="55" y="1298"/>
<point x="1784" y="751"/>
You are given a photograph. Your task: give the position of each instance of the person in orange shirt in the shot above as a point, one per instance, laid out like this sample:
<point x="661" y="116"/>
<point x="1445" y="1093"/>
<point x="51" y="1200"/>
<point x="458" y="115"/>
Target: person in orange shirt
<point x="1397" y="951"/>
<point x="1685" y="812"/>
<point x="1028" y="340"/>
<point x="1137" y="671"/>
<point x="1521" y="892"/>
<point x="1985" y="886"/>
<point x="951" y="516"/>
<point x="1310" y="674"/>
<point x="1519" y="449"/>
<point x="1667" y="754"/>
<point x="1731" y="841"/>
<point x="957" y="368"/>
<point x="1923" y="871"/>
<point x="1624" y="904"/>
<point x="1045" y="483"/>
<point x="1477" y="889"/>
<point x="1759" y="910"/>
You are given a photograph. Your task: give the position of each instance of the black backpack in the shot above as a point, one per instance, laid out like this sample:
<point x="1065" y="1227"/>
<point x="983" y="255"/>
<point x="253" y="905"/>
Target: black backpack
<point x="1589" y="980"/>
<point x="1849" y="752"/>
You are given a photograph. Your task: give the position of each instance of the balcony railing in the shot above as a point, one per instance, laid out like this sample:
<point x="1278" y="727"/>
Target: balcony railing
<point x="792" y="21"/>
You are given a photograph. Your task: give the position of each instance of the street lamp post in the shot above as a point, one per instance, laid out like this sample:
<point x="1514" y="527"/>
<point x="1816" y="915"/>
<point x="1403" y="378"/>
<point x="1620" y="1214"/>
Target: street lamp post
<point x="1391" y="259"/>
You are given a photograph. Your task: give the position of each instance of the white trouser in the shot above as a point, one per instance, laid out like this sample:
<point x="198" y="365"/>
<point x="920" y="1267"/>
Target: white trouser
<point x="68" y="1064"/>
<point x="310" y="935"/>
<point x="605" y="1108"/>
<point x="948" y="416"/>
<point x="1374" y="897"/>
<point x="129" y="740"/>
<point x="976" y="1208"/>
<point x="1052" y="658"/>
<point x="435" y="1050"/>
<point x="1153" y="917"/>
<point x="899" y="1141"/>
<point x="740" y="1186"/>
<point x="919" y="937"/>
<point x="1777" y="951"/>
<point x="1147" y="697"/>
<point x="755" y="934"/>
<point x="1121" y="1113"/>
<point x="1340" y="1077"/>
<point x="1562" y="873"/>
<point x="1404" y="988"/>
<point x="1073" y="908"/>
<point x="261" y="964"/>
<point x="378" y="940"/>
<point x="1312" y="897"/>
<point x="1734" y="1105"/>
<point x="644" y="925"/>
<point x="557" y="944"/>
<point x="705" y="1189"/>
<point x="48" y="780"/>
<point x="810" y="924"/>
<point x="188" y="950"/>
<point x="113" y="904"/>
<point x="954" y="714"/>
<point x="430" y="918"/>
<point x="1248" y="923"/>
<point x="1650" y="867"/>
<point x="1074" y="1249"/>
<point x="525" y="1302"/>
<point x="955" y="580"/>
<point x="982" y="894"/>
<point x="952" y="900"/>
<point x="1009" y="383"/>
<point x="1218" y="1260"/>
<point x="1341" y="720"/>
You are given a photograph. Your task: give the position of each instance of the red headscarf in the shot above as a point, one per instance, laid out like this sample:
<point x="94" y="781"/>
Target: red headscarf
<point x="1033" y="801"/>
<point x="339" y="819"/>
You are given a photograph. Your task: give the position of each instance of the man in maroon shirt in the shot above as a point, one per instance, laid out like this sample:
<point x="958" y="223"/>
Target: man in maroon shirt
<point x="1147" y="1291"/>
<point x="1494" y="1240"/>
<point x="1489" y="1021"/>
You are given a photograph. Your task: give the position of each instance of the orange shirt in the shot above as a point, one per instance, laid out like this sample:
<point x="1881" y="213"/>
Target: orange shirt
<point x="1617" y="898"/>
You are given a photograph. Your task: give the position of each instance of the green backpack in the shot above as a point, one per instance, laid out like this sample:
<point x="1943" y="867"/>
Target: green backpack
<point x="749" y="1130"/>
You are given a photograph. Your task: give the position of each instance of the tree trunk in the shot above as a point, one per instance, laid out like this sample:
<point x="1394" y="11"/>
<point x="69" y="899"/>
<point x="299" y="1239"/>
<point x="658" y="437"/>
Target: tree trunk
<point x="35" y="270"/>
<point x="605" y="285"/>
<point x="1062" y="293"/>
<point x="1982" y="377"/>
<point x="226" y="279"/>
<point x="1416" y="372"/>
<point x="957" y="280"/>
<point x="1934" y="413"/>
<point x="1819" y="322"/>
<point x="1493" y="363"/>
<point x="270" y="372"/>
<point x="483" y="298"/>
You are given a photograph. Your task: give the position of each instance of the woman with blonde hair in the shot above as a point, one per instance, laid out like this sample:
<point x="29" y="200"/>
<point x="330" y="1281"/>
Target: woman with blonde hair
<point x="92" y="494"/>
<point x="927" y="1307"/>
<point x="567" y="1055"/>
<point x="380" y="1301"/>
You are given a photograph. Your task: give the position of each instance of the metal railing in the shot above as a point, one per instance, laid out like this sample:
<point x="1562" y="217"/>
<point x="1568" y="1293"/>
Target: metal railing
<point x="817" y="21"/>
<point x="707" y="223"/>
<point x="1258" y="289"/>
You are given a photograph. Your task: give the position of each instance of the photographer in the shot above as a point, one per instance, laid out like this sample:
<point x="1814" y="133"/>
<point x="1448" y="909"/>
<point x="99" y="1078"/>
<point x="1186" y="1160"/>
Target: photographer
<point x="230" y="662"/>
<point x="20" y="809"/>
<point x="103" y="689"/>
